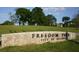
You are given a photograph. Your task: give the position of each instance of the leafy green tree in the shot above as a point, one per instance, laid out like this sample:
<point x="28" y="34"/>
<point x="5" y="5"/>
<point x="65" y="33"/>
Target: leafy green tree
<point x="50" y="20"/>
<point x="37" y="16"/>
<point x="75" y="21"/>
<point x="65" y="19"/>
<point x="23" y="15"/>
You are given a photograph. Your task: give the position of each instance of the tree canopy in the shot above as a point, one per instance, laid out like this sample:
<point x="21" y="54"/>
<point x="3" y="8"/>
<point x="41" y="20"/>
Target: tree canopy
<point x="65" y="19"/>
<point x="51" y="20"/>
<point x="75" y="21"/>
<point x="23" y="15"/>
<point x="38" y="16"/>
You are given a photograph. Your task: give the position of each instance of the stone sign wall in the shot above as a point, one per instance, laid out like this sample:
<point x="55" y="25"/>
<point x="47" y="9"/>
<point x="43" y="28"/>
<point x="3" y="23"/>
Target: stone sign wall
<point x="17" y="39"/>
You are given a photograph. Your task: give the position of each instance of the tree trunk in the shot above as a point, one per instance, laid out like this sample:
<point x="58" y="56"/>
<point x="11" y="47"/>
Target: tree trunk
<point x="23" y="23"/>
<point x="19" y="23"/>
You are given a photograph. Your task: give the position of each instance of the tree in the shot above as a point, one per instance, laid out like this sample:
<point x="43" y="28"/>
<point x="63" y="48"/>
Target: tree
<point x="75" y="21"/>
<point x="50" y="20"/>
<point x="38" y="16"/>
<point x="65" y="19"/>
<point x="23" y="15"/>
<point x="13" y="18"/>
<point x="7" y="23"/>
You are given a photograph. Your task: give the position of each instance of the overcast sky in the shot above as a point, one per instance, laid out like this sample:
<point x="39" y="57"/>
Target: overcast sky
<point x="58" y="12"/>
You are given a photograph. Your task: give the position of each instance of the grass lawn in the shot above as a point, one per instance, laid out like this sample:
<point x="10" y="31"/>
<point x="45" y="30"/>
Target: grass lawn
<point x="66" y="46"/>
<point x="15" y="29"/>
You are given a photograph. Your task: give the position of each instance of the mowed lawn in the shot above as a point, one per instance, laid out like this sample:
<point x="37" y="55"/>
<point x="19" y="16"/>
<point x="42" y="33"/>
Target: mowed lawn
<point x="66" y="46"/>
<point x="14" y="29"/>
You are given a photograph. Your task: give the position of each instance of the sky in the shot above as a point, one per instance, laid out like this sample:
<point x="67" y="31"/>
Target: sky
<point x="58" y="12"/>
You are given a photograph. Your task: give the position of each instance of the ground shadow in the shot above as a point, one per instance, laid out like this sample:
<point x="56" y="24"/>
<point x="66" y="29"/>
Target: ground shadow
<point x="76" y="42"/>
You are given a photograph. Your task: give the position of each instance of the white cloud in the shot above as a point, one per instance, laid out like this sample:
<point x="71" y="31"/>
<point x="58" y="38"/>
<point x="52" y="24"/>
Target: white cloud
<point x="55" y="9"/>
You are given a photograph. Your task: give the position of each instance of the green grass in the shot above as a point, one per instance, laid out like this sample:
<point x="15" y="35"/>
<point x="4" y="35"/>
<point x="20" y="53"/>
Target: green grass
<point x="66" y="46"/>
<point x="15" y="29"/>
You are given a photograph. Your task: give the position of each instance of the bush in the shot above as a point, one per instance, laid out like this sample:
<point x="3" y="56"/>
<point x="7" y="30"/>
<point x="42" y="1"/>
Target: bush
<point x="7" y="23"/>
